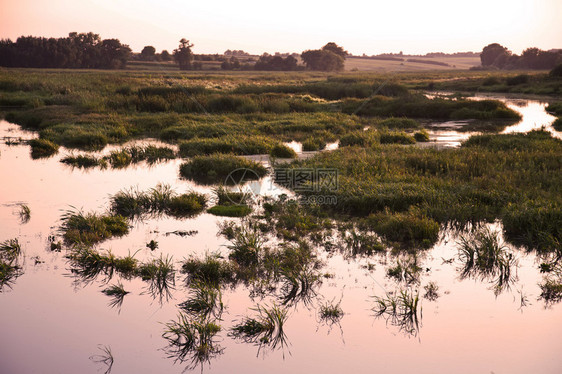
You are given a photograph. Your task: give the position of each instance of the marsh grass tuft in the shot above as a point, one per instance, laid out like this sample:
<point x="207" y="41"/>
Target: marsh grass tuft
<point x="161" y="277"/>
<point x="90" y="228"/>
<point x="42" y="148"/>
<point x="221" y="168"/>
<point x="10" y="267"/>
<point x="205" y="301"/>
<point x="401" y="309"/>
<point x="161" y="199"/>
<point x="483" y="257"/>
<point x="24" y="213"/>
<point x="117" y="293"/>
<point x="330" y="312"/>
<point x="192" y="340"/>
<point x="266" y="329"/>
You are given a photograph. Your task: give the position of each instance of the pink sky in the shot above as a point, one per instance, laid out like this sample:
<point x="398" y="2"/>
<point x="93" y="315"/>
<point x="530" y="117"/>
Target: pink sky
<point x="293" y="26"/>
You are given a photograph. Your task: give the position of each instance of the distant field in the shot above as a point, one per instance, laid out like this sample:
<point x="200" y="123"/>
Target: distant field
<point x="366" y="64"/>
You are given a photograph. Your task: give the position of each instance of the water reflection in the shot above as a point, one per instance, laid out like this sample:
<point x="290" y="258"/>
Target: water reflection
<point x="401" y="309"/>
<point x="192" y="340"/>
<point x="484" y="258"/>
<point x="11" y="266"/>
<point x="266" y="329"/>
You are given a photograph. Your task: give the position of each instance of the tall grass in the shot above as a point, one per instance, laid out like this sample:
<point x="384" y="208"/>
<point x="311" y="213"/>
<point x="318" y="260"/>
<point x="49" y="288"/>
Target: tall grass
<point x="90" y="228"/>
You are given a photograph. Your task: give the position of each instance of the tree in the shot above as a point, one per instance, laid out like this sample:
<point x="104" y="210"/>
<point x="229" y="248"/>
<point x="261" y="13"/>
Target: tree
<point x="148" y="53"/>
<point x="165" y="55"/>
<point x="494" y="54"/>
<point x="333" y="47"/>
<point x="324" y="60"/>
<point x="183" y="54"/>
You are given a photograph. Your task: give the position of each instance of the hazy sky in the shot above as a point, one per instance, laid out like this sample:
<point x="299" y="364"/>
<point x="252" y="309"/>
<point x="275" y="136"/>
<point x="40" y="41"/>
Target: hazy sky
<point x="412" y="26"/>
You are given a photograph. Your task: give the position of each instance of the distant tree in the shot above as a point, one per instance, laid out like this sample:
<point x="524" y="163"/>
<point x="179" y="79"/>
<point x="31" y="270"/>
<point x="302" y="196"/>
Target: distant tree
<point x="183" y="55"/>
<point x="114" y="55"/>
<point x="84" y="50"/>
<point x="324" y="60"/>
<point x="333" y="47"/>
<point x="148" y="53"/>
<point x="165" y="56"/>
<point x="494" y="54"/>
<point x="276" y="63"/>
<point x="231" y="64"/>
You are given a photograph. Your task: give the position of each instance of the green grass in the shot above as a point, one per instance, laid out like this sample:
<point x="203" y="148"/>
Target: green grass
<point x="221" y="169"/>
<point x="210" y="270"/>
<point x="401" y="309"/>
<point x="409" y="192"/>
<point x="230" y="210"/>
<point x="41" y="148"/>
<point x="24" y="213"/>
<point x="90" y="228"/>
<point x="282" y="151"/>
<point x="192" y="340"/>
<point x="238" y="145"/>
<point x="266" y="329"/>
<point x="156" y="201"/>
<point x="84" y="161"/>
<point x="483" y="257"/>
<point x="330" y="312"/>
<point x="205" y="301"/>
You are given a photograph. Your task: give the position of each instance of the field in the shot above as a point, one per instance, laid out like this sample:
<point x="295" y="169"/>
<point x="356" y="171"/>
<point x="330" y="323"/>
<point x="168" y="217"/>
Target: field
<point x="451" y="63"/>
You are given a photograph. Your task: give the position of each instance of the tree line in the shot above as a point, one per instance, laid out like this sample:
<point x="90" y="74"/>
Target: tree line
<point x="498" y="56"/>
<point x="84" y="50"/>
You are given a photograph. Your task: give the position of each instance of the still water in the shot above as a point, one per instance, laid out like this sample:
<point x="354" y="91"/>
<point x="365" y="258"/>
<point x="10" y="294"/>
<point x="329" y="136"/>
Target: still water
<point x="53" y="322"/>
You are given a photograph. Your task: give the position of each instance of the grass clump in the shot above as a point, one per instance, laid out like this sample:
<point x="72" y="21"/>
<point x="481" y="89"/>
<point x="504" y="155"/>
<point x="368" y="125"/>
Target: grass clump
<point x="230" y="210"/>
<point x="10" y="268"/>
<point x="266" y="329"/>
<point x="282" y="151"/>
<point x="421" y="136"/>
<point x="409" y="228"/>
<point x="117" y="294"/>
<point x="88" y="263"/>
<point x="551" y="291"/>
<point x="221" y="168"/>
<point x="313" y="144"/>
<point x="205" y="301"/>
<point x="211" y="270"/>
<point x="156" y="201"/>
<point x="160" y="275"/>
<point x="401" y="309"/>
<point x="192" y="340"/>
<point x="90" y="228"/>
<point x="41" y="148"/>
<point x="83" y="161"/>
<point x="483" y="257"/>
<point x="330" y="312"/>
<point x="24" y="213"/>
